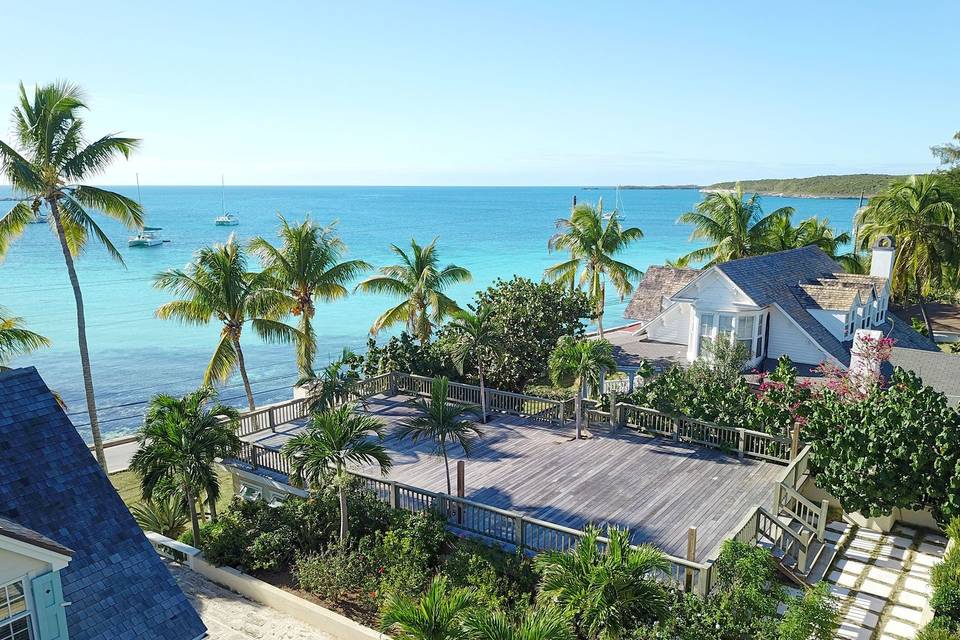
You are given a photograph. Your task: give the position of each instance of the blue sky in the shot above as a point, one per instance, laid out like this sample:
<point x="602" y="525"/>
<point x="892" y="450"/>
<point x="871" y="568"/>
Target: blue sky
<point x="499" y="93"/>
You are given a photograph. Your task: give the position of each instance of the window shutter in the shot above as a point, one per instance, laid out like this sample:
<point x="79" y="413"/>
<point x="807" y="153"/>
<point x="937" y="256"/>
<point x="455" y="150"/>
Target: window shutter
<point x="50" y="612"/>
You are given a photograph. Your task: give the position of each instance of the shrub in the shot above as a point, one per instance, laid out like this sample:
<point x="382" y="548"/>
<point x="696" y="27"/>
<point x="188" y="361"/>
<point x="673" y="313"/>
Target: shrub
<point x="499" y="580"/>
<point x="938" y="629"/>
<point x="341" y="569"/>
<point x="404" y="353"/>
<point x="411" y="550"/>
<point x="810" y="617"/>
<point x="168" y="516"/>
<point x="945" y="602"/>
<point x="225" y="543"/>
<point x="273" y="549"/>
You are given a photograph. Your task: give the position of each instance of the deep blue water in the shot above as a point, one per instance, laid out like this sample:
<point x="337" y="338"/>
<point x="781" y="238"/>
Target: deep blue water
<point x="493" y="231"/>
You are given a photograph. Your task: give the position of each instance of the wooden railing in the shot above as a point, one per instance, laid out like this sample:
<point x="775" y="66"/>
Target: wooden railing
<point x="760" y="523"/>
<point x="743" y="442"/>
<point x="812" y="517"/>
<point x="271" y="416"/>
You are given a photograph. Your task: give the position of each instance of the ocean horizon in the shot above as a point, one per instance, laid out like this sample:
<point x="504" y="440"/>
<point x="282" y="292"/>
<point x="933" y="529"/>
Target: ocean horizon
<point x="496" y="232"/>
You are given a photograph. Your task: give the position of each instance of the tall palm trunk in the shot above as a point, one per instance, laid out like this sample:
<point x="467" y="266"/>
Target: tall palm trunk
<point x="194" y="520"/>
<point x="483" y="396"/>
<point x="81" y="337"/>
<point x="243" y="373"/>
<point x="446" y="463"/>
<point x="306" y="346"/>
<point x="212" y="504"/>
<point x="923" y="309"/>
<point x="578" y="408"/>
<point x="344" y="522"/>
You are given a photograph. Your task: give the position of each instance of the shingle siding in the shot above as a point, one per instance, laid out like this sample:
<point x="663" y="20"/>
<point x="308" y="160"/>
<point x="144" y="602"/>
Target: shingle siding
<point x="49" y="482"/>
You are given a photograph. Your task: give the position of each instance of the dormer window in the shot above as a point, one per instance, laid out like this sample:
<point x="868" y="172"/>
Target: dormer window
<point x="849" y="325"/>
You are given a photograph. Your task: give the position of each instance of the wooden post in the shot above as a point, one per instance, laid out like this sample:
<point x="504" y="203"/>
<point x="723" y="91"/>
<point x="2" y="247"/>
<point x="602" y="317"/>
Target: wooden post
<point x="742" y="442"/>
<point x="614" y="419"/>
<point x="271" y="421"/>
<point x="795" y="442"/>
<point x="461" y="489"/>
<point x="394" y="495"/>
<point x="822" y="522"/>
<point x="691" y="556"/>
<point x="630" y="375"/>
<point x="519" y="536"/>
<point x="777" y="493"/>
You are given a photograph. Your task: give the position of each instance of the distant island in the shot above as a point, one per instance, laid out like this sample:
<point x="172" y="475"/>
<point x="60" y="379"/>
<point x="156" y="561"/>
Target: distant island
<point x="843" y="186"/>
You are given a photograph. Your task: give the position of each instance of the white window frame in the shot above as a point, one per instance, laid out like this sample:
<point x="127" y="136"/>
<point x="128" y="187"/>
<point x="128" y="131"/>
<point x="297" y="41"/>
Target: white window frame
<point x="758" y="335"/>
<point x="27" y="613"/>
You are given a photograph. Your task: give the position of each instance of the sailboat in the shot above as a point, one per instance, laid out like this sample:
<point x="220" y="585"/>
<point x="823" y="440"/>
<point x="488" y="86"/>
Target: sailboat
<point x="148" y="236"/>
<point x="225" y="219"/>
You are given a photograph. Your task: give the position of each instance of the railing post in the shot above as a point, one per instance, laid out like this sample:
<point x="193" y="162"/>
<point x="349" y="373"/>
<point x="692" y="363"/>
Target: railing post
<point x="822" y="520"/>
<point x="802" y="552"/>
<point x="614" y="421"/>
<point x="519" y="536"/>
<point x="777" y="496"/>
<point x="675" y="425"/>
<point x="271" y="421"/>
<point x="795" y="442"/>
<point x="741" y="442"/>
<point x="461" y="489"/>
<point x="392" y="385"/>
<point x="394" y="495"/>
<point x="703" y="580"/>
<point x="691" y="556"/>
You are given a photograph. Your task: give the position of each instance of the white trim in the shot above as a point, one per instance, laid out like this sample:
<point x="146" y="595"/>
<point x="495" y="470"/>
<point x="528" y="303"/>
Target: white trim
<point x="807" y="335"/>
<point x="678" y="297"/>
<point x="56" y="560"/>
<point x="643" y="327"/>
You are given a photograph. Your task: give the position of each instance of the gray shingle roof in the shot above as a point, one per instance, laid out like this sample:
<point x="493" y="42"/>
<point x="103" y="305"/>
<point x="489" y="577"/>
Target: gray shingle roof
<point x="819" y="296"/>
<point x="11" y="529"/>
<point x="774" y="278"/>
<point x="50" y="483"/>
<point x="937" y="369"/>
<point x="658" y="283"/>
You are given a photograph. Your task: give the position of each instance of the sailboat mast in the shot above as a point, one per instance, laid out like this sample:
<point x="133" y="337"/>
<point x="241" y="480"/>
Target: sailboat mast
<point x="223" y="208"/>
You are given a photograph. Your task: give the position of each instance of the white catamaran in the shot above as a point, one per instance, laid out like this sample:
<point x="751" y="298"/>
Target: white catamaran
<point x="225" y="219"/>
<point x="148" y="236"/>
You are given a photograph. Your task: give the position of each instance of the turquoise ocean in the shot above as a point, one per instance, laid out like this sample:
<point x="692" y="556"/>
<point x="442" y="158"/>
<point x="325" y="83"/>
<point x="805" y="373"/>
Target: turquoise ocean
<point x="496" y="232"/>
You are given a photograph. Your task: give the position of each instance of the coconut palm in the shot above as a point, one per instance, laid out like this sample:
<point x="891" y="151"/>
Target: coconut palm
<point x="46" y="167"/>
<point x="217" y="284"/>
<point x="332" y="440"/>
<point x="476" y="335"/>
<point x="178" y="443"/>
<point x="437" y="615"/>
<point x="308" y="265"/>
<point x="420" y="283"/>
<point x="605" y="589"/>
<point x="733" y="225"/>
<point x="580" y="363"/>
<point x="922" y="221"/>
<point x="593" y="240"/>
<point x="543" y="623"/>
<point x="442" y="423"/>
<point x="16" y="339"/>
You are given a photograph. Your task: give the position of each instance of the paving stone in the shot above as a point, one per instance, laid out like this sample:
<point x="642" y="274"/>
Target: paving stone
<point x="876" y="588"/>
<point x="935" y="538"/>
<point x="882" y="575"/>
<point x="862" y="617"/>
<point x="850" y="566"/>
<point x="899" y="541"/>
<point x="858" y="555"/>
<point x="853" y="631"/>
<point x="899" y="628"/>
<point x="837" y="525"/>
<point x="905" y="530"/>
<point x="907" y="614"/>
<point x="832" y="536"/>
<point x="929" y="547"/>
<point x="889" y="563"/>
<point x="843" y="579"/>
<point x="866" y="601"/>
<point x="910" y="599"/>
<point x="925" y="559"/>
<point x="917" y="586"/>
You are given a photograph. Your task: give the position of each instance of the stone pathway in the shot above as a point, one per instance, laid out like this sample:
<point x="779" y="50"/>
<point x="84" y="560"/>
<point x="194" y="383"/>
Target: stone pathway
<point x="881" y="582"/>
<point x="230" y="616"/>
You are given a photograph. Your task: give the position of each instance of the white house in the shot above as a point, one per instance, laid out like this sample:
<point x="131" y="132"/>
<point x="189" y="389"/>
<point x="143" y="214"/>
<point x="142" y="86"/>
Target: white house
<point x="798" y="303"/>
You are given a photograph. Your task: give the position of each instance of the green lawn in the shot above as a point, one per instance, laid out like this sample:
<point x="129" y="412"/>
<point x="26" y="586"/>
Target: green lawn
<point x="127" y="485"/>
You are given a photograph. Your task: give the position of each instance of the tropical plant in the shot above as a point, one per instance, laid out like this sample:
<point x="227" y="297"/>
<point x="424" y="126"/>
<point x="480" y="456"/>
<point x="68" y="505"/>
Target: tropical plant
<point x="46" y="167"/>
<point x="594" y="239"/>
<point x="334" y="383"/>
<point x="922" y="221"/>
<point x="949" y="152"/>
<point x="733" y="226"/>
<point x="442" y="423"/>
<point x="437" y="615"/>
<point x="332" y="440"/>
<point x="308" y="266"/>
<point x="216" y="284"/>
<point x="475" y="335"/>
<point x="419" y="282"/>
<point x="178" y="442"/>
<point x="405" y="353"/>
<point x="543" y="623"/>
<point x="580" y="363"/>
<point x="16" y="339"/>
<point x="605" y="589"/>
<point x="167" y="516"/>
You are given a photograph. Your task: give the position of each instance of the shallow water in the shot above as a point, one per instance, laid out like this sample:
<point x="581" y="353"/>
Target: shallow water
<point x="493" y="231"/>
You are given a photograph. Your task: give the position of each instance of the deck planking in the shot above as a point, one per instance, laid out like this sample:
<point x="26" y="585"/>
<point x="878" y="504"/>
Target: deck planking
<point x="654" y="486"/>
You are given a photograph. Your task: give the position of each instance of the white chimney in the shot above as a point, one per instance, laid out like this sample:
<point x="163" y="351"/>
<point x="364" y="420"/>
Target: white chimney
<point x="862" y="368"/>
<point x="883" y="253"/>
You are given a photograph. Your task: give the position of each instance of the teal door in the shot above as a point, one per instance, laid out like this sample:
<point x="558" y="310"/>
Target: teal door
<point x="50" y="611"/>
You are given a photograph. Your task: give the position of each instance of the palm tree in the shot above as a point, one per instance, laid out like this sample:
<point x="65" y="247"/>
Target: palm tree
<point x="308" y="266"/>
<point x="917" y="214"/>
<point x="607" y="589"/>
<point x="178" y="443"/>
<point x="443" y="423"/>
<point x="167" y="516"/>
<point x="420" y="283"/>
<point x="580" y="363"/>
<point x="734" y="226"/>
<point x="593" y="240"/>
<point x="217" y="284"/>
<point x="332" y="440"/>
<point x="16" y="339"/>
<point x="476" y="335"/>
<point x="47" y="167"/>
<point x="334" y="384"/>
<point x="437" y="615"/>
<point x="543" y="623"/>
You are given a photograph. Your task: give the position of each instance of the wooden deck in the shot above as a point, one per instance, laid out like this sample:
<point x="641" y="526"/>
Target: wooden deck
<point x="654" y="486"/>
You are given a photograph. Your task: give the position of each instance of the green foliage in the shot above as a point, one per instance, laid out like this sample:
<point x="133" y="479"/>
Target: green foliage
<point x="166" y="516"/>
<point x="747" y="591"/>
<point x="16" y="339"/>
<point x="810" y="617"/>
<point x="343" y="568"/>
<point x="411" y="550"/>
<point x="945" y="582"/>
<point x="500" y="581"/>
<point x="844" y="186"/>
<point x="938" y="629"/>
<point x="437" y="615"/>
<point x="529" y="317"/>
<point x="403" y="353"/>
<point x="897" y="447"/>
<point x="272" y="549"/>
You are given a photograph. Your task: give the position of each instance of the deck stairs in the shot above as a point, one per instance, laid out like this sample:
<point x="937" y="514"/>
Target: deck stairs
<point x="820" y="554"/>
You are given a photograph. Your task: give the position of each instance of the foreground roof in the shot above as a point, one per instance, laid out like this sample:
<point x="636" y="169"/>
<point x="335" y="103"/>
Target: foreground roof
<point x="658" y="283"/>
<point x="52" y="485"/>
<point x="16" y="531"/>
